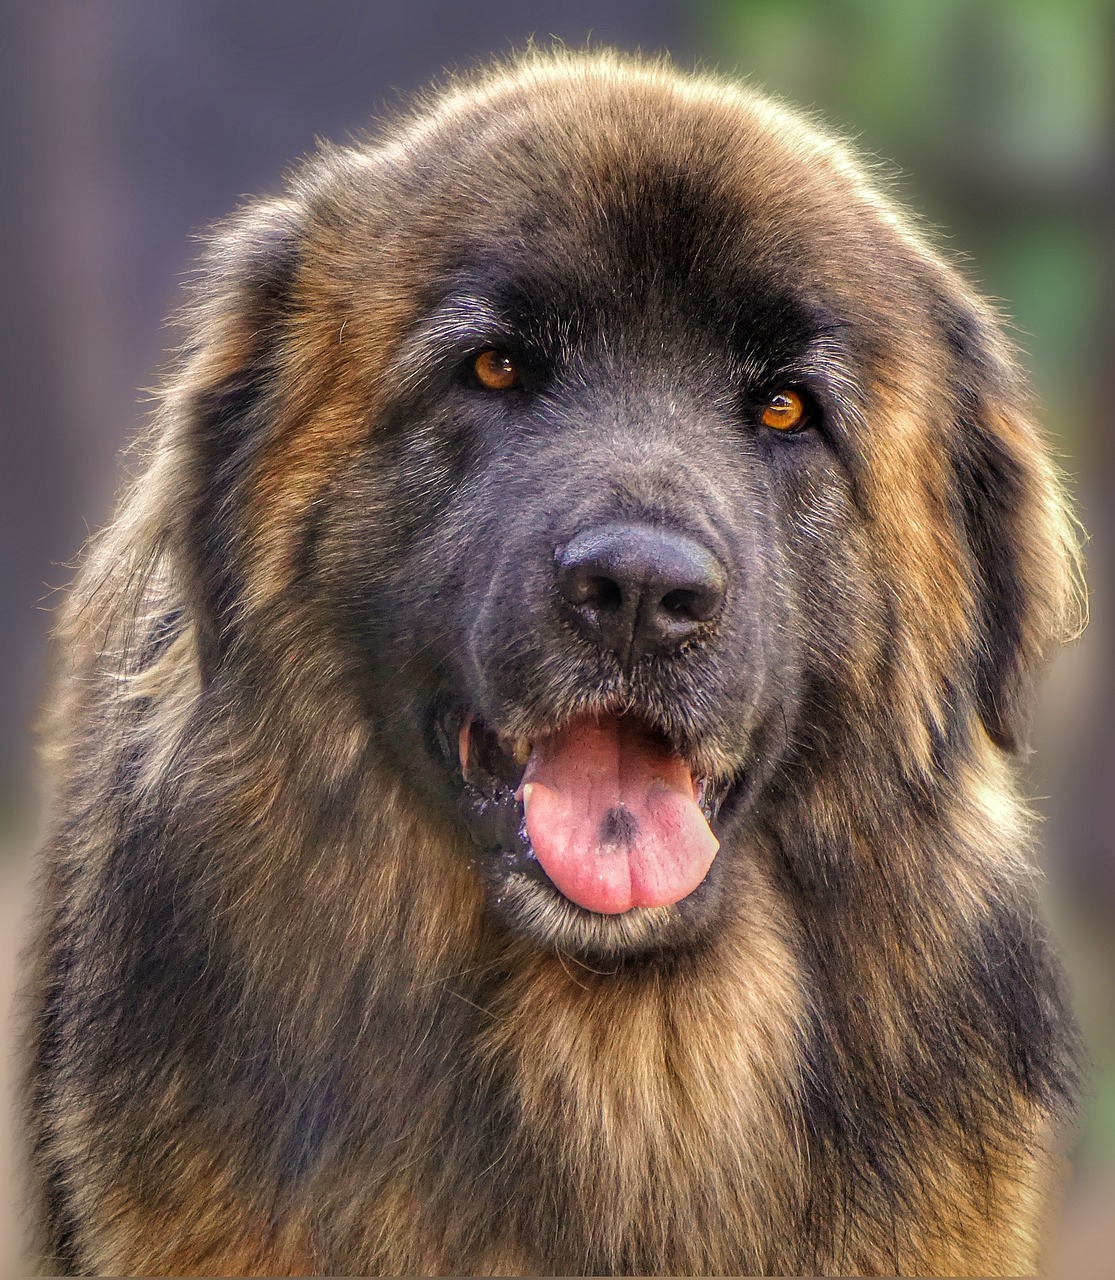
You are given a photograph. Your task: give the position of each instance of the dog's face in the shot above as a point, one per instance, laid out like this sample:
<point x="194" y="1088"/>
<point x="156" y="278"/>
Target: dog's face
<point x="652" y="460"/>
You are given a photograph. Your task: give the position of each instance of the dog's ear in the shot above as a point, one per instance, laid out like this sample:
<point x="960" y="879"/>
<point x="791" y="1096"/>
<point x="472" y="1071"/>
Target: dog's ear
<point x="224" y="398"/>
<point x="1023" y="552"/>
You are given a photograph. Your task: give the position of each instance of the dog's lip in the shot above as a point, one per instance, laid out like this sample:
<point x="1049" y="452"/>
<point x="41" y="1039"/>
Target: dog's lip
<point x="494" y="760"/>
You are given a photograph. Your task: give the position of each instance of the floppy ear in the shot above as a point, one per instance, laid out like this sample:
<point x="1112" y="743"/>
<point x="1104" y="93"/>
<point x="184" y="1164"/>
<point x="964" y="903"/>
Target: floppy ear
<point x="1023" y="553"/>
<point x="223" y="399"/>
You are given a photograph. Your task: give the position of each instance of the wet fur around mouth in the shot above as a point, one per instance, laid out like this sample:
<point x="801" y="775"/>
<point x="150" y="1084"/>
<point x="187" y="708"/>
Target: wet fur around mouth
<point x="587" y="388"/>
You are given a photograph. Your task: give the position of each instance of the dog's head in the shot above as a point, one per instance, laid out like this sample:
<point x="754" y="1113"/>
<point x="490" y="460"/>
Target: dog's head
<point x="611" y="453"/>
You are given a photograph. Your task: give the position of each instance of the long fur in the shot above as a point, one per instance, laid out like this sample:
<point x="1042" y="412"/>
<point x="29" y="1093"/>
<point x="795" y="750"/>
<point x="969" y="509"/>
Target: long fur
<point x="277" y="1025"/>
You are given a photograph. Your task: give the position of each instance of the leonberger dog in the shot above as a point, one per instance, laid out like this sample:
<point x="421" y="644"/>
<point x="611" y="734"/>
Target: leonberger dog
<point x="534" y="756"/>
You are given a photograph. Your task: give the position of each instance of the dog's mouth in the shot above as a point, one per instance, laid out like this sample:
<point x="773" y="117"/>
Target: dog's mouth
<point x="605" y="809"/>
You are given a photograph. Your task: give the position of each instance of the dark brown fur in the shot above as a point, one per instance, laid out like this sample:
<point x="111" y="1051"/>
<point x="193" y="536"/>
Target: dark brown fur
<point x="282" y="1021"/>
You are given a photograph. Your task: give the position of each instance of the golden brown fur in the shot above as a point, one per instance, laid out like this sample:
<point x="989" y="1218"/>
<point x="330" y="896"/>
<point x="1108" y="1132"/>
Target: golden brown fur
<point x="280" y="1026"/>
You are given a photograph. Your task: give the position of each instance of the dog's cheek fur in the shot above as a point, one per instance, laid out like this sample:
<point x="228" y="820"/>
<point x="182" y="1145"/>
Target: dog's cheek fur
<point x="837" y="607"/>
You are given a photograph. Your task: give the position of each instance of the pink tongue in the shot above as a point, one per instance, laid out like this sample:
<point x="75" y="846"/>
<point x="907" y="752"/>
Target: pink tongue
<point x="613" y="819"/>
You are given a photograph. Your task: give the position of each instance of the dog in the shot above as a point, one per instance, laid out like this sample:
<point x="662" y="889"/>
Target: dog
<point x="533" y="757"/>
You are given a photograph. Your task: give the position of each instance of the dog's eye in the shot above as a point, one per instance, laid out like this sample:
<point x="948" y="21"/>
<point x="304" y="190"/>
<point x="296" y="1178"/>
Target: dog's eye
<point x="495" y="371"/>
<point x="785" y="411"/>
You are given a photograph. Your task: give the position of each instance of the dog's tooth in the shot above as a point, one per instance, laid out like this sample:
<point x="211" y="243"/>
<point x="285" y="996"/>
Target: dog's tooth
<point x="517" y="748"/>
<point x="463" y="742"/>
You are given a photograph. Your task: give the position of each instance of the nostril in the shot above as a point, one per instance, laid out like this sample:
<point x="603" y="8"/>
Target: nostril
<point x="692" y="604"/>
<point x="681" y="605"/>
<point x="606" y="594"/>
<point x="593" y="590"/>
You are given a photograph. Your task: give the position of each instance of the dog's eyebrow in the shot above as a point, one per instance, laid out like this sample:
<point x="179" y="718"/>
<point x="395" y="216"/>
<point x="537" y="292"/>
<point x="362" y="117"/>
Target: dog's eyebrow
<point x="463" y="315"/>
<point x="460" y="323"/>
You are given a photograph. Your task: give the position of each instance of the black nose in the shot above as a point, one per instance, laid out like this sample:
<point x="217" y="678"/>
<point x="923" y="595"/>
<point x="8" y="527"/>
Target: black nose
<point x="636" y="589"/>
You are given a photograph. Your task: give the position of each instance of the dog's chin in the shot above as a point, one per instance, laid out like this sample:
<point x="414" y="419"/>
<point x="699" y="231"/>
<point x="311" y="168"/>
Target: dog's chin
<point x="530" y="905"/>
<point x="525" y="898"/>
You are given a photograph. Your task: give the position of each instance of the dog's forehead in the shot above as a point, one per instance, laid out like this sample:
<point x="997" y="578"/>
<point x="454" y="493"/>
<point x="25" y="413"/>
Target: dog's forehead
<point x="594" y="187"/>
<point x="647" y="184"/>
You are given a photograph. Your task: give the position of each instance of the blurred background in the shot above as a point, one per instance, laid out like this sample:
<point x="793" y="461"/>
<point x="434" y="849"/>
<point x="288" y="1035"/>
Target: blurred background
<point x="127" y="126"/>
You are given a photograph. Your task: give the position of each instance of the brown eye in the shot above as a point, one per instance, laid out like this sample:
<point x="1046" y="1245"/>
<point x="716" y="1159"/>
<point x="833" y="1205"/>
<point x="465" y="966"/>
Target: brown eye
<point x="784" y="411"/>
<point x="495" y="371"/>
